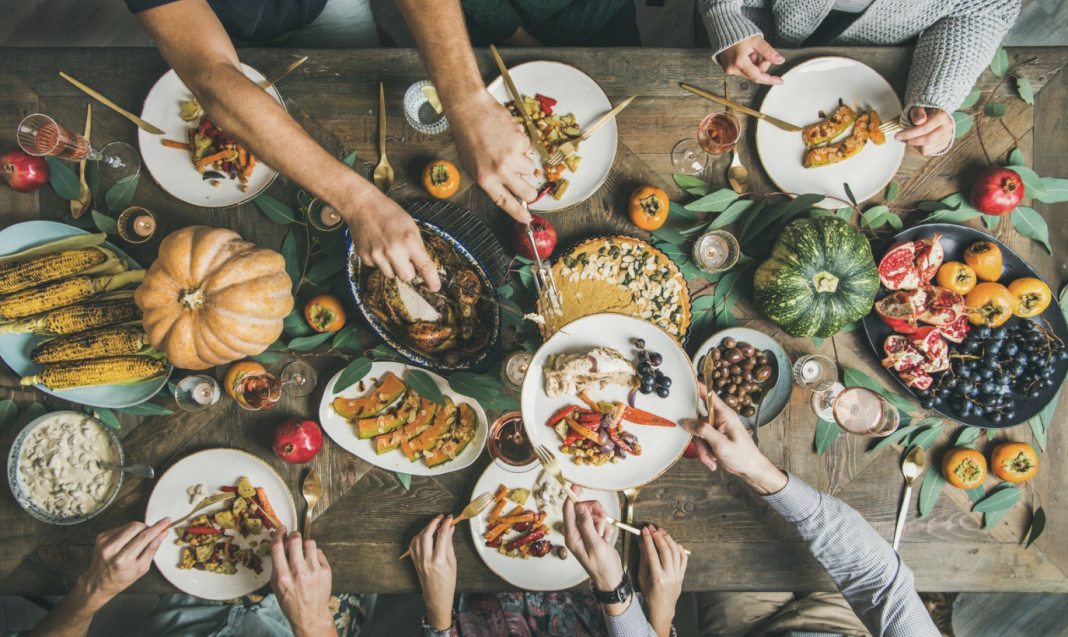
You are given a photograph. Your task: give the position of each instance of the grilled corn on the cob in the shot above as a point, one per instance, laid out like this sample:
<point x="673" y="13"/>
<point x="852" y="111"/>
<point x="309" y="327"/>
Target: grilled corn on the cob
<point x="97" y="371"/>
<point x="62" y="293"/>
<point x="106" y="341"/>
<point x="46" y="268"/>
<point x="78" y="318"/>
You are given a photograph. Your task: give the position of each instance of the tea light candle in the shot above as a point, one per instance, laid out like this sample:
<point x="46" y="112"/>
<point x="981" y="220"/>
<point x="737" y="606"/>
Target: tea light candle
<point x="329" y="216"/>
<point x="515" y="368"/>
<point x="144" y="225"/>
<point x="202" y="393"/>
<point x="810" y="370"/>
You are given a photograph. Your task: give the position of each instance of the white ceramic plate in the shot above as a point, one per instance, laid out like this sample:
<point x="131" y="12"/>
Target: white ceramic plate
<point x="171" y="167"/>
<point x="661" y="446"/>
<point x="778" y="395"/>
<point x="548" y="573"/>
<point x="816" y="86"/>
<point x="215" y="468"/>
<point x="345" y="435"/>
<point x="15" y="348"/>
<point x="574" y="92"/>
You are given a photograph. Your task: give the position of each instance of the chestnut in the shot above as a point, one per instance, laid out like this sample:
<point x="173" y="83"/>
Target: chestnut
<point x="762" y="373"/>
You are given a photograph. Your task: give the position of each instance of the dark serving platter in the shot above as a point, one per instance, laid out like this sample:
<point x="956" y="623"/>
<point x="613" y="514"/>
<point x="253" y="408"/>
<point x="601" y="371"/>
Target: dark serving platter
<point x="954" y="240"/>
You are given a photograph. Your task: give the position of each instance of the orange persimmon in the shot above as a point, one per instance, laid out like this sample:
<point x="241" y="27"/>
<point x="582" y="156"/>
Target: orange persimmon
<point x="964" y="468"/>
<point x="441" y="179"/>
<point x="1030" y="296"/>
<point x="989" y="304"/>
<point x="985" y="258"/>
<point x="956" y="276"/>
<point x="324" y="313"/>
<point x="1014" y="461"/>
<point x="648" y="207"/>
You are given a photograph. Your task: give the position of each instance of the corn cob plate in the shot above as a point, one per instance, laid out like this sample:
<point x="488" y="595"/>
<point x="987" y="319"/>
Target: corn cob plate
<point x="15" y="348"/>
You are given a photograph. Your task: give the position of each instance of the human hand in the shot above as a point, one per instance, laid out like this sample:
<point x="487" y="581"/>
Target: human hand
<point x="301" y="582"/>
<point x="435" y="562"/>
<point x="386" y="237"/>
<point x="521" y="38"/>
<point x="725" y="441"/>
<point x="931" y="132"/>
<point x="661" y="570"/>
<point x="751" y="58"/>
<point x="586" y="533"/>
<point x="493" y="148"/>
<point x="120" y="557"/>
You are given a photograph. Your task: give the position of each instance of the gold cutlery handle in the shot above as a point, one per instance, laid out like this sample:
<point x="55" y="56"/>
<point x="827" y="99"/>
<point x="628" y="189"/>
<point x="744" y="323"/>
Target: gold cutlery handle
<point x="307" y="524"/>
<point x="607" y="117"/>
<point x="112" y="105"/>
<point x="381" y="119"/>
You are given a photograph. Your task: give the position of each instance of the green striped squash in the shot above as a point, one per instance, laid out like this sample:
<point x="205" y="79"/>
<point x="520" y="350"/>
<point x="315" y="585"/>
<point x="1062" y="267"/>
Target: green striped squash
<point x="819" y="277"/>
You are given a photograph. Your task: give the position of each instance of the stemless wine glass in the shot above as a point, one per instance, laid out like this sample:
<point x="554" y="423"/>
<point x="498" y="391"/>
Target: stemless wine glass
<point x="41" y="136"/>
<point x="863" y="412"/>
<point x="299" y="378"/>
<point x="716" y="134"/>
<point x="258" y="391"/>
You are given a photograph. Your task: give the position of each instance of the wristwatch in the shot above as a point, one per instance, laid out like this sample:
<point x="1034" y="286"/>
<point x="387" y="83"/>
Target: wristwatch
<point x="621" y="593"/>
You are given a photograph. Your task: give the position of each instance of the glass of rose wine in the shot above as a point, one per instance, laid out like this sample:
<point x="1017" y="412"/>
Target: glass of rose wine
<point x="258" y="391"/>
<point x="41" y="136"/>
<point x="716" y="134"/>
<point x="863" y="412"/>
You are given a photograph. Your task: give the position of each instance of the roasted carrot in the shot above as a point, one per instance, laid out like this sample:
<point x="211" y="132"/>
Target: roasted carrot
<point x="265" y="504"/>
<point x="247" y="172"/>
<point x="169" y="143"/>
<point x="211" y="159"/>
<point x="242" y="157"/>
<point x="582" y="431"/>
<point x="502" y="493"/>
<point x="496" y="532"/>
<point x="525" y="517"/>
<point x="586" y="399"/>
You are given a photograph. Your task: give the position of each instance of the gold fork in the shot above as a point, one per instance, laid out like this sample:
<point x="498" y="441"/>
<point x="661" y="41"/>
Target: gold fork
<point x="544" y="281"/>
<point x="477" y="506"/>
<point x="567" y="149"/>
<point x="203" y="504"/>
<point x="891" y="126"/>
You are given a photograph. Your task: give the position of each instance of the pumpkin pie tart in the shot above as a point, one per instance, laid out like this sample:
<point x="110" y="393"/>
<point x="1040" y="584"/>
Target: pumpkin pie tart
<point x="620" y="275"/>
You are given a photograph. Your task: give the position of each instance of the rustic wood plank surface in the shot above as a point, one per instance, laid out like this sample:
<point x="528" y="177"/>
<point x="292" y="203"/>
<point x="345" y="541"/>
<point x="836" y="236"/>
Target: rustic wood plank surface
<point x="367" y="517"/>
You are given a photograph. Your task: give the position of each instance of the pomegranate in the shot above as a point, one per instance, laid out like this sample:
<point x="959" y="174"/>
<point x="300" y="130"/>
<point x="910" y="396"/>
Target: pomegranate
<point x="941" y="306"/>
<point x="690" y="451"/>
<point x="957" y="330"/>
<point x="22" y="171"/>
<point x="900" y="354"/>
<point x="929" y="257"/>
<point x="909" y="264"/>
<point x="544" y="238"/>
<point x="916" y="378"/>
<point x="996" y="191"/>
<point x="928" y="341"/>
<point x="896" y="311"/>
<point x="297" y="441"/>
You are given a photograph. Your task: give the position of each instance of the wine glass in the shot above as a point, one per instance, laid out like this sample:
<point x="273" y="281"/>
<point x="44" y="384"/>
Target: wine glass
<point x="716" y="134"/>
<point x="40" y="136"/>
<point x="258" y="391"/>
<point x="299" y="378"/>
<point x="863" y="412"/>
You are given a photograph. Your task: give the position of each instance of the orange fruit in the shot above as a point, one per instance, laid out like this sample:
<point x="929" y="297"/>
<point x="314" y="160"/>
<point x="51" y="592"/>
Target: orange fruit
<point x="1014" y="461"/>
<point x="964" y="468"/>
<point x="236" y="372"/>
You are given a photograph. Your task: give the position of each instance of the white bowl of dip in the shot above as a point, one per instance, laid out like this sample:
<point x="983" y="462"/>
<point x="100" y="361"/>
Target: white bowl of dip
<point x="54" y="471"/>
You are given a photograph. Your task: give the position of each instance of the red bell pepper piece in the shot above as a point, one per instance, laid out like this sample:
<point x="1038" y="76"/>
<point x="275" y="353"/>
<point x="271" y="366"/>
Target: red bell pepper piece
<point x="546" y="103"/>
<point x="562" y="413"/>
<point x="544" y="191"/>
<point x="639" y="417"/>
<point x="526" y="539"/>
<point x="203" y="530"/>
<point x="228" y="489"/>
<point x="582" y="431"/>
<point x="622" y="444"/>
<point x="589" y="417"/>
<point x="572" y="436"/>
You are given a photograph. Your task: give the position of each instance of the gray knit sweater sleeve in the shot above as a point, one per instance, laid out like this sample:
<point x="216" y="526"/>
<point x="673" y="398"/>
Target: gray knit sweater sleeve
<point x="726" y="24"/>
<point x="952" y="52"/>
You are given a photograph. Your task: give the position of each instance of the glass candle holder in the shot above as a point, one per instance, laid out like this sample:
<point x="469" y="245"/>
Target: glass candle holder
<point x="323" y="216"/>
<point x="420" y="112"/>
<point x="716" y="251"/>
<point x="514" y="369"/>
<point x="137" y="225"/>
<point x="196" y="393"/>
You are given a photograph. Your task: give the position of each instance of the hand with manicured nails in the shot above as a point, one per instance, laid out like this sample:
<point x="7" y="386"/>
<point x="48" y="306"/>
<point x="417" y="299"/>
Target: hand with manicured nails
<point x="435" y="562"/>
<point x="751" y="58"/>
<point x="587" y="533"/>
<point x="121" y="556"/>
<point x="661" y="570"/>
<point x="931" y="131"/>
<point x="301" y="582"/>
<point x="724" y="441"/>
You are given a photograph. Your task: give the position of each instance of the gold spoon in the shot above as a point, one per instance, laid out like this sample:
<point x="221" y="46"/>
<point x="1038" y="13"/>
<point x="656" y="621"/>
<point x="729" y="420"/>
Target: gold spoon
<point x="737" y="175"/>
<point x="383" y="172"/>
<point x="628" y="517"/>
<point x="80" y="204"/>
<point x="912" y="467"/>
<point x="313" y="491"/>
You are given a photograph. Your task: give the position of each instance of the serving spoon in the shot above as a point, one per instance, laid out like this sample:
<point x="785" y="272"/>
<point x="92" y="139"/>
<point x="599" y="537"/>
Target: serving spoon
<point x="383" y="172"/>
<point x="142" y="470"/>
<point x="737" y="174"/>
<point x="313" y="491"/>
<point x="912" y="467"/>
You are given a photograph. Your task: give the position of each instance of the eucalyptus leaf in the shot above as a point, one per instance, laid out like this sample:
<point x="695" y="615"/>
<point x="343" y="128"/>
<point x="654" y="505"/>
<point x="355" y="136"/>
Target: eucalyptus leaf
<point x="422" y="384"/>
<point x="107" y="417"/>
<point x="92" y="178"/>
<point x="999" y="66"/>
<point x="405" y="479"/>
<point x="963" y="123"/>
<point x="876" y="215"/>
<point x="967" y="436"/>
<point x="295" y="325"/>
<point x="713" y="202"/>
<point x="952" y="216"/>
<point x="120" y="196"/>
<point x="991" y="221"/>
<point x="731" y="214"/>
<point x="818" y="342"/>
<point x="275" y="210"/>
<point x="679" y="212"/>
<point x="1030" y="224"/>
<point x="35" y="411"/>
<point x="991" y="518"/>
<point x="994" y="108"/>
<point x="353" y="373"/>
<point x="845" y="214"/>
<point x="1027" y="92"/>
<point x="849" y="194"/>
<point x="900" y="434"/>
<point x="826" y="433"/>
<point x="347" y="337"/>
<point x="105" y="223"/>
<point x="972" y="99"/>
<point x="892" y="191"/>
<point x="1034" y="187"/>
<point x="145" y="409"/>
<point x="755" y="224"/>
<point x="976" y="494"/>
<point x="322" y="270"/>
<point x="933" y="483"/>
<point x="1038" y="525"/>
<point x="895" y="221"/>
<point x="751" y="215"/>
<point x="927" y="437"/>
<point x="526" y="277"/>
<point x="686" y="181"/>
<point x="292" y="261"/>
<point x="505" y="291"/>
<point x="499" y="400"/>
<point x="349" y="159"/>
<point x="305" y="343"/>
<point x="383" y="351"/>
<point x="670" y="235"/>
<point x="1056" y="189"/>
<point x="266" y="358"/>
<point x="1002" y="498"/>
<point x="468" y="384"/>
<point x="1016" y="158"/>
<point x="62" y="179"/>
<point x="9" y="411"/>
<point x="1038" y="431"/>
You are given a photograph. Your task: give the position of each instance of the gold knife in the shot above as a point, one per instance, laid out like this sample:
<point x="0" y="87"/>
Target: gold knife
<point x="269" y="82"/>
<point x="786" y="126"/>
<point x="532" y="130"/>
<point x="142" y="124"/>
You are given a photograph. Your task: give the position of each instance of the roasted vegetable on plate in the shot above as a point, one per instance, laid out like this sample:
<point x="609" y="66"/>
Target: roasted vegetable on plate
<point x="519" y="533"/>
<point x="207" y="547"/>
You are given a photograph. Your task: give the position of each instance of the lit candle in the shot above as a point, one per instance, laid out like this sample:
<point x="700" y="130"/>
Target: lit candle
<point x="329" y="216"/>
<point x="516" y="367"/>
<point x="810" y="371"/>
<point x="144" y="225"/>
<point x="202" y="393"/>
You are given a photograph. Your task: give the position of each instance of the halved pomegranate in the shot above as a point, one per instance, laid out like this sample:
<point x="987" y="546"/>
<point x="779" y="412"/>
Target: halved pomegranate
<point x="909" y="264"/>
<point x="898" y="311"/>
<point x="916" y="378"/>
<point x="928" y="340"/>
<point x="900" y="354"/>
<point x="957" y="330"/>
<point x="942" y="306"/>
<point x="929" y="257"/>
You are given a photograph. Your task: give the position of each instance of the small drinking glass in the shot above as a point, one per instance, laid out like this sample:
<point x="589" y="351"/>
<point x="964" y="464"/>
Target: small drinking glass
<point x="137" y="225"/>
<point x="815" y="372"/>
<point x="41" y="136"/>
<point x="196" y="393"/>
<point x="716" y="134"/>
<point x="716" y="251"/>
<point x="419" y="111"/>
<point x="299" y="378"/>
<point x="863" y="412"/>
<point x="509" y="445"/>
<point x="258" y="391"/>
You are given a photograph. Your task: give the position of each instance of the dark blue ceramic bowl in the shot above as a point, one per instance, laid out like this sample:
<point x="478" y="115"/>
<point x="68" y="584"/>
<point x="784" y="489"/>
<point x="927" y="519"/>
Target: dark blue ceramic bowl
<point x="478" y="362"/>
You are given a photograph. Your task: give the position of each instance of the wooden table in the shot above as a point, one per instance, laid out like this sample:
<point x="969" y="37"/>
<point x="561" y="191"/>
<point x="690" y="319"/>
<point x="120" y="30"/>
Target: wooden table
<point x="367" y="517"/>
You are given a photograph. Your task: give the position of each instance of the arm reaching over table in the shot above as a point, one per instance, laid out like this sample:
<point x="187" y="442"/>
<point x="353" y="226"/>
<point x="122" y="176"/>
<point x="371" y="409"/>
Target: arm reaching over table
<point x="121" y="556"/>
<point x="870" y="574"/>
<point x="194" y="43"/>
<point x="493" y="147"/>
<point x="301" y="582"/>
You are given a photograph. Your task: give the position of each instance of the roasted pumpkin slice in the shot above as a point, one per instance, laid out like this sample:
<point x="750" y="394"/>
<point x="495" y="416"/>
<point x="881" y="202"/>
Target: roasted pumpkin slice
<point x="419" y="423"/>
<point x="829" y="127"/>
<point x="834" y="153"/>
<point x="877" y="136"/>
<point x="391" y="419"/>
<point x="462" y="435"/>
<point x="443" y="423"/>
<point x="388" y="390"/>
